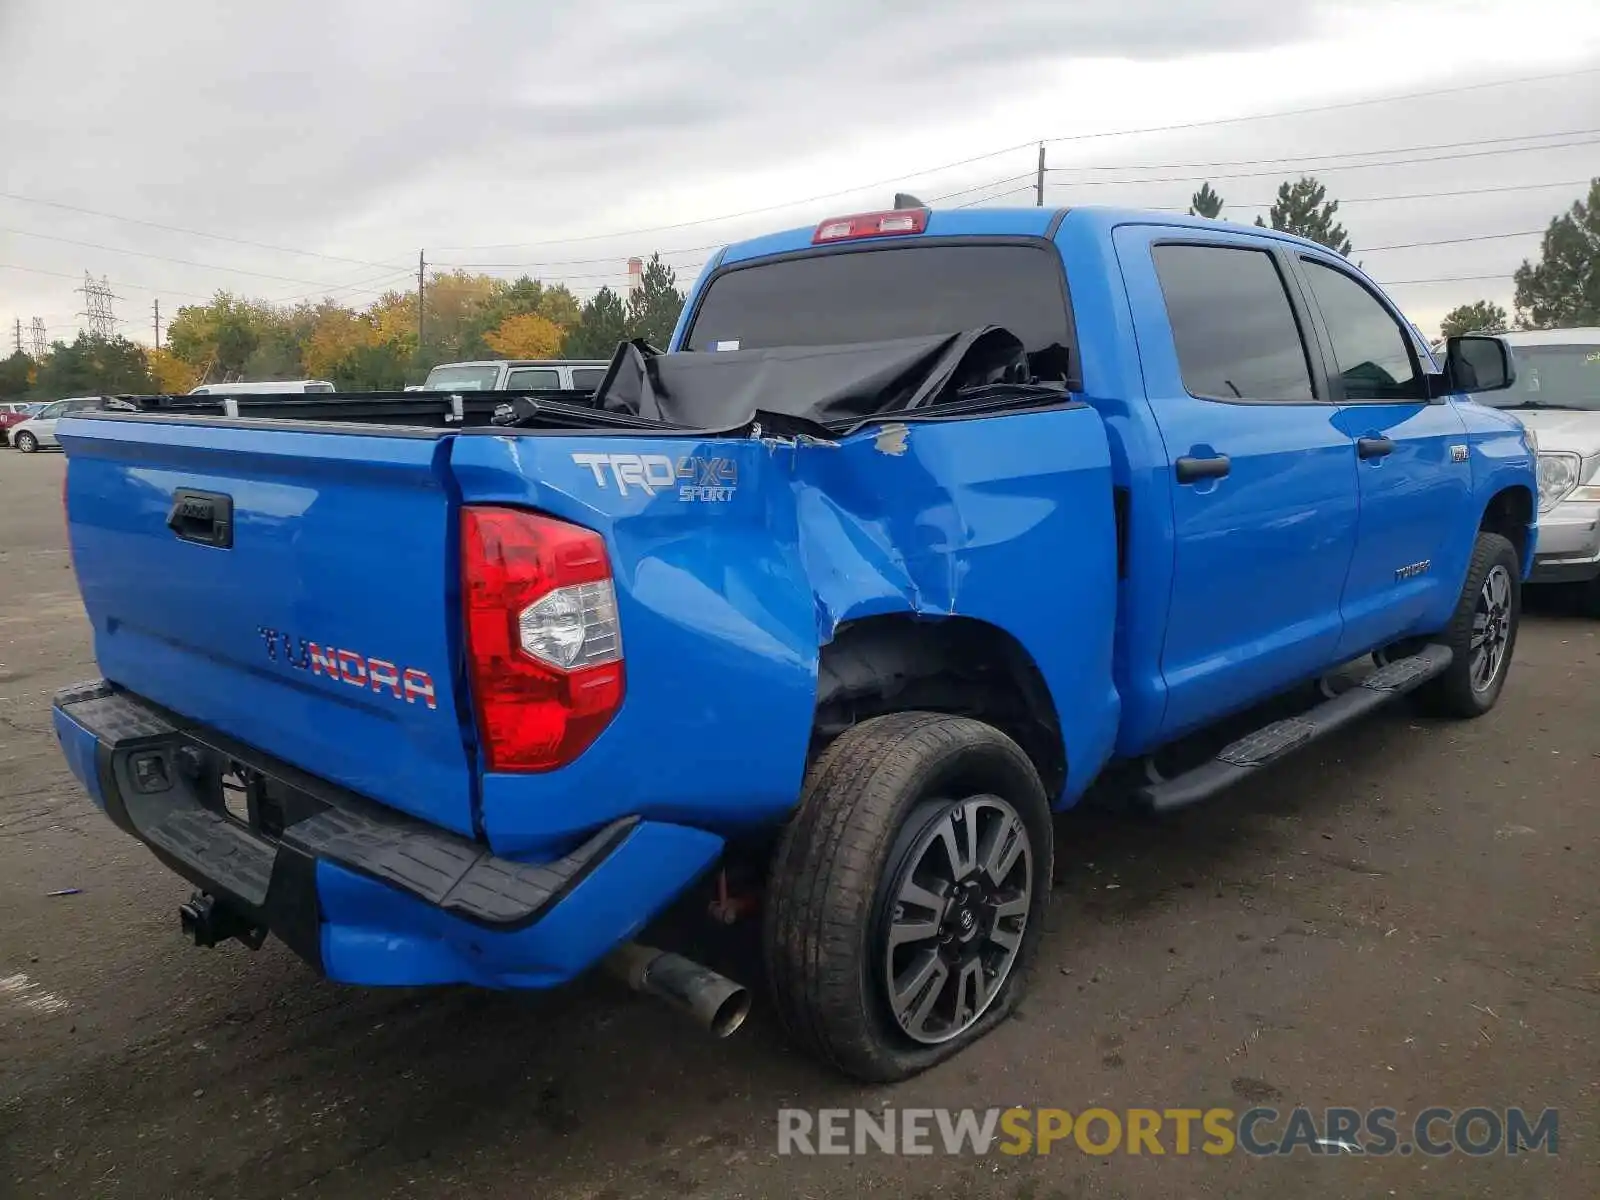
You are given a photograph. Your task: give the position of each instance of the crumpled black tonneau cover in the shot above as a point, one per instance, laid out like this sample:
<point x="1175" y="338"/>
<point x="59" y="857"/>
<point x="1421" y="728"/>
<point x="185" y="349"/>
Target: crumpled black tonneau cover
<point x="829" y="385"/>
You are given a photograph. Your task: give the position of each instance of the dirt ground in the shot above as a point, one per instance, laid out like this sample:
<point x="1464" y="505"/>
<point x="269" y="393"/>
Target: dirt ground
<point x="1405" y="917"/>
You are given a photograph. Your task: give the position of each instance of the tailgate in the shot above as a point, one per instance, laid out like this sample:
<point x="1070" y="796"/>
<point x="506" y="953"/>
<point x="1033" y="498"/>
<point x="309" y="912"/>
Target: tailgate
<point x="293" y="589"/>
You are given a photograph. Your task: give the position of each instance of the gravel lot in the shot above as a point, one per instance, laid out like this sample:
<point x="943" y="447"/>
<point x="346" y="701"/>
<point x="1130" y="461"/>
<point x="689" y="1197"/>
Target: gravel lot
<point x="1404" y="917"/>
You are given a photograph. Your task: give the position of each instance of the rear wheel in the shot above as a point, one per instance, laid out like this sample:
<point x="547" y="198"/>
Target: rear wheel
<point x="908" y="893"/>
<point x="27" y="443"/>
<point x="1482" y="633"/>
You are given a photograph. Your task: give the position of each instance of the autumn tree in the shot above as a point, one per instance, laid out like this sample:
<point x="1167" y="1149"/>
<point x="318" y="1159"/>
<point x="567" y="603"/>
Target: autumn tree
<point x="653" y="310"/>
<point x="371" y="366"/>
<point x="525" y="335"/>
<point x="521" y="296"/>
<point x="1564" y="288"/>
<point x="337" y="332"/>
<point x="1205" y="203"/>
<point x="454" y="313"/>
<point x="218" y="337"/>
<point x="169" y="373"/>
<point x="281" y="335"/>
<point x="1481" y="316"/>
<point x="1303" y="208"/>
<point x="601" y="325"/>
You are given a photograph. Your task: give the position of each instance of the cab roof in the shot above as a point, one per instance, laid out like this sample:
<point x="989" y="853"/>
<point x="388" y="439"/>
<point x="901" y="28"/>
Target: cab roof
<point x="1002" y="222"/>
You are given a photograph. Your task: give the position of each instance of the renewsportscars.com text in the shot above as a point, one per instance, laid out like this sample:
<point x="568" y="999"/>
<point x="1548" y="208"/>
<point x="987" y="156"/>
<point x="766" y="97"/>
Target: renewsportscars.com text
<point x="1434" y="1132"/>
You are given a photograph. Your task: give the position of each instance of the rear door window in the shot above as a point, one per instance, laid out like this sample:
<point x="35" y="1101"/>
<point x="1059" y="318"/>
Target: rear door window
<point x="587" y="378"/>
<point x="1232" y="324"/>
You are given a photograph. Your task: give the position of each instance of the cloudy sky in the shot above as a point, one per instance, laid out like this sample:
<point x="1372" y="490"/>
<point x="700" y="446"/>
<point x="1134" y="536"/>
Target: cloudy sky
<point x="298" y="148"/>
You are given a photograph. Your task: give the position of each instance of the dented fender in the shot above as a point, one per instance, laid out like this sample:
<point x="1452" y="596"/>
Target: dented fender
<point x="736" y="559"/>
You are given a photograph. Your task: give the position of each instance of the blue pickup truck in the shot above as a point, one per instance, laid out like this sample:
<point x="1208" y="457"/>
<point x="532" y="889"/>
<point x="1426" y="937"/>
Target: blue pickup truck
<point x="924" y="522"/>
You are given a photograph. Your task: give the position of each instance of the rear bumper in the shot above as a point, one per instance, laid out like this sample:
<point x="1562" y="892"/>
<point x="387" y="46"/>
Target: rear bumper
<point x="365" y="894"/>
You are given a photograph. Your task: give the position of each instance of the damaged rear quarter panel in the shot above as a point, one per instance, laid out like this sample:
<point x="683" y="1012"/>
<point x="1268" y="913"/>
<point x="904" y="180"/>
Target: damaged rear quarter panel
<point x="1003" y="519"/>
<point x="725" y="603"/>
<point x="719" y="637"/>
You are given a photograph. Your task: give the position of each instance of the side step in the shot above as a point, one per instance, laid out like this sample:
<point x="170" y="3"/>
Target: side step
<point x="1271" y="742"/>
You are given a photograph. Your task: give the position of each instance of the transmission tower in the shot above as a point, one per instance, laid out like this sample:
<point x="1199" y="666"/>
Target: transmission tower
<point x="97" y="300"/>
<point x="37" y="337"/>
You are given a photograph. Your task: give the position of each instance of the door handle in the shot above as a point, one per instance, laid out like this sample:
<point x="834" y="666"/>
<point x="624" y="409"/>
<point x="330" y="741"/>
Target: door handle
<point x="1192" y="470"/>
<point x="1374" y="447"/>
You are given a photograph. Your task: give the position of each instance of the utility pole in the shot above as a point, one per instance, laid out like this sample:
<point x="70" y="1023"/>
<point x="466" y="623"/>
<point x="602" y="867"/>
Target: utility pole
<point x="422" y="285"/>
<point x="19" y="335"/>
<point x="157" y="307"/>
<point x="1038" y="180"/>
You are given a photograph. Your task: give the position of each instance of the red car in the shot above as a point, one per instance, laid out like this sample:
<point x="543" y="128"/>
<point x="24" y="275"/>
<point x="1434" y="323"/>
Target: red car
<point x="14" y="414"/>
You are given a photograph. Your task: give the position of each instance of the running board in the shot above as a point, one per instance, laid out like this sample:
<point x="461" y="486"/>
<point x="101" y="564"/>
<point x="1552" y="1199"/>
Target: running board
<point x="1271" y="742"/>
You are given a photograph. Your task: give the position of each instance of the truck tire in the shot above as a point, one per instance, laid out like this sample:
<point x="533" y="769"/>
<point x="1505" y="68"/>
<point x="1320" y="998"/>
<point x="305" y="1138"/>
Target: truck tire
<point x="1482" y="633"/>
<point x="907" y="895"/>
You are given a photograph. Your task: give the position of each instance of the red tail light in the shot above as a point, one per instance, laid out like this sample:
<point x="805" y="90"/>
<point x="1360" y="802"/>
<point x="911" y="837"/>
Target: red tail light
<point x="878" y="224"/>
<point x="543" y="644"/>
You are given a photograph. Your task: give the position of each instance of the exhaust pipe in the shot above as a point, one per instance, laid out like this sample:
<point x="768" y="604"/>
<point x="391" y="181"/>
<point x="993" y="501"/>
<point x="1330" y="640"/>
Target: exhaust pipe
<point x="713" y="1001"/>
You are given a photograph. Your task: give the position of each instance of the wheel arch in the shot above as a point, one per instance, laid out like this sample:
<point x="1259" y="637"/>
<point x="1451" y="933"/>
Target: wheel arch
<point x="1509" y="512"/>
<point x="964" y="666"/>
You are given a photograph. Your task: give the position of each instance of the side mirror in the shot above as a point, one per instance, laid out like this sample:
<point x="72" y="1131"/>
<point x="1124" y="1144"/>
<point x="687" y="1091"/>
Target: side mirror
<point x="1477" y="362"/>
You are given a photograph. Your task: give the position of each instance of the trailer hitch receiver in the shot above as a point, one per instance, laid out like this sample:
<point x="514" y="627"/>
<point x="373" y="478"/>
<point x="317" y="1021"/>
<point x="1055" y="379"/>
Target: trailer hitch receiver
<point x="209" y="922"/>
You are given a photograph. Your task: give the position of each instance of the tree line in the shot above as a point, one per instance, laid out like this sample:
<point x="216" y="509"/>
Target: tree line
<point x="1562" y="289"/>
<point x="468" y="316"/>
<point x="375" y="348"/>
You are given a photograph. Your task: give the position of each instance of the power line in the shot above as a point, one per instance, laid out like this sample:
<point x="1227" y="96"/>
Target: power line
<point x="1027" y="187"/>
<point x="363" y="286"/>
<point x="138" y="287"/>
<point x="1322" y="108"/>
<point x="978" y="187"/>
<point x="1344" y="200"/>
<point x="1292" y="160"/>
<point x="573" y="262"/>
<point x="1326" y="168"/>
<point x="1482" y="237"/>
<point x="185" y="262"/>
<point x="218" y="237"/>
<point x="906" y="176"/>
<point x="1444" y="279"/>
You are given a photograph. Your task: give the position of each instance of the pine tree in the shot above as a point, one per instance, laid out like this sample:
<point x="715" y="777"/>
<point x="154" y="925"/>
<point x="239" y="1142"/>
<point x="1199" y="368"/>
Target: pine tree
<point x="1303" y="208"/>
<point x="602" y="323"/>
<point x="653" y="310"/>
<point x="1481" y="316"/>
<point x="1564" y="289"/>
<point x="1205" y="203"/>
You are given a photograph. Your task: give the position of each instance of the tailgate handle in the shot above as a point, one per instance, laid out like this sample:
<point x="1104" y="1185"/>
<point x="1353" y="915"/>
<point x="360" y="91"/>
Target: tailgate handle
<point x="205" y="518"/>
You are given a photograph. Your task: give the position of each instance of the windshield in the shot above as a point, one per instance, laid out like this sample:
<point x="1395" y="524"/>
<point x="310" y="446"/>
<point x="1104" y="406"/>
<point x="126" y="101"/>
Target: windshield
<point x="1551" y="377"/>
<point x="462" y="379"/>
<point x="846" y="298"/>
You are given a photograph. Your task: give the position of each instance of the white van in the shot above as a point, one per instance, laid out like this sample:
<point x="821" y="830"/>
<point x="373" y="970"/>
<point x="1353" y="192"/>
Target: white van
<point x="277" y="388"/>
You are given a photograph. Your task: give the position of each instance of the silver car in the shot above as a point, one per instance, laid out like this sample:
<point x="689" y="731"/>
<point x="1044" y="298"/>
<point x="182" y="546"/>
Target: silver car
<point x="39" y="430"/>
<point x="1557" y="395"/>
